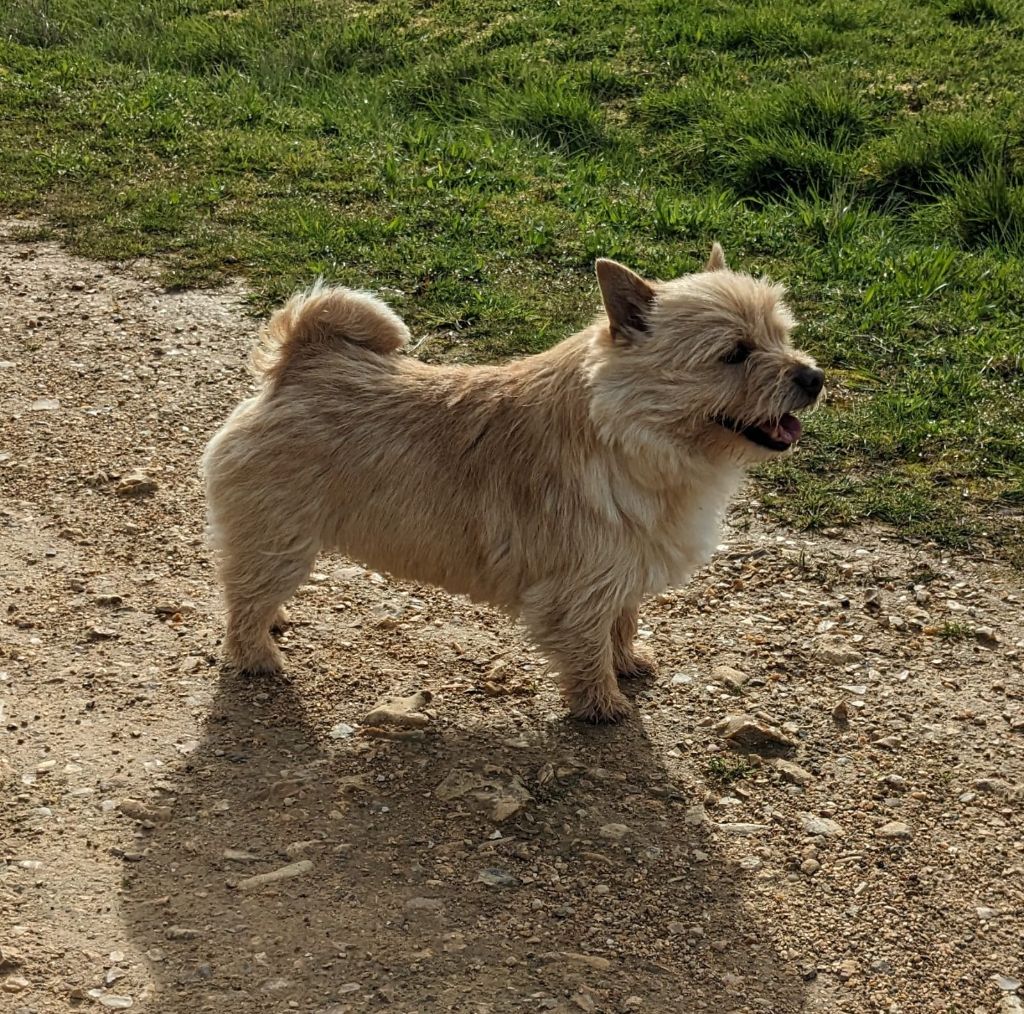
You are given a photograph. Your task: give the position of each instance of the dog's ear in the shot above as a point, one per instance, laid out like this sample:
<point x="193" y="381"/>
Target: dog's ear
<point x="627" y="301"/>
<point x="716" y="261"/>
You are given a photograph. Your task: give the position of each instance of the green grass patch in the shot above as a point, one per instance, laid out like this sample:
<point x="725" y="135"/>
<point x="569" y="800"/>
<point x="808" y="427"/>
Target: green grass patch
<point x="726" y="768"/>
<point x="474" y="159"/>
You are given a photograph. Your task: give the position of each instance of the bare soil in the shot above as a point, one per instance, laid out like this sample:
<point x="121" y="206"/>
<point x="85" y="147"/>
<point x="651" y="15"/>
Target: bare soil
<point x="500" y="858"/>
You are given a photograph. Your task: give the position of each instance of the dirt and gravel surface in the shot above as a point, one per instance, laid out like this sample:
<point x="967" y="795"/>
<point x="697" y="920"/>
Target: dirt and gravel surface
<point x="855" y="843"/>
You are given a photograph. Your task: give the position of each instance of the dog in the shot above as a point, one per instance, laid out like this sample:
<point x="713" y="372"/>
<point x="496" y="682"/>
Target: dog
<point x="563" y="487"/>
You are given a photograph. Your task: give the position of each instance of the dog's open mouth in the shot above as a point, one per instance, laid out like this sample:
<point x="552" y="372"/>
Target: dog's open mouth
<point x="776" y="436"/>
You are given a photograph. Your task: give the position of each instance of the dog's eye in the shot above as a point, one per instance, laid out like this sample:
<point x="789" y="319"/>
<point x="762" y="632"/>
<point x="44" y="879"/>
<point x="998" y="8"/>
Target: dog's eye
<point x="740" y="353"/>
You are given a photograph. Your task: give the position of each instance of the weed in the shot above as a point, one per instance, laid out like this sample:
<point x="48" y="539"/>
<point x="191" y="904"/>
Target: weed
<point x="952" y="630"/>
<point x="726" y="768"/>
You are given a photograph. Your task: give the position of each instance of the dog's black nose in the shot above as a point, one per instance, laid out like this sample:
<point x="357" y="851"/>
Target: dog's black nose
<point x="809" y="379"/>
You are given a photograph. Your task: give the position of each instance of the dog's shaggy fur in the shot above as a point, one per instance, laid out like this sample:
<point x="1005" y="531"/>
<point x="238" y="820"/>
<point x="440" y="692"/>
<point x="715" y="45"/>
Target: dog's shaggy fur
<point x="563" y="487"/>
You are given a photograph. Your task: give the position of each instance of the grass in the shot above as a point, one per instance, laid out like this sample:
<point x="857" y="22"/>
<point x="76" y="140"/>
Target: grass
<point x="953" y="631"/>
<point x="473" y="160"/>
<point x="727" y="768"/>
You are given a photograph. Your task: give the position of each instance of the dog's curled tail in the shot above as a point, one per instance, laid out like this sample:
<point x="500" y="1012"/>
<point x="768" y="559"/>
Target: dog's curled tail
<point x="325" y="318"/>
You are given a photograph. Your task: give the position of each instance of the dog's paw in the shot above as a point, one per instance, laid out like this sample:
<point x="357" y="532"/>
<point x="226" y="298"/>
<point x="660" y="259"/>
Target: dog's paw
<point x="266" y="661"/>
<point x="599" y="708"/>
<point x="637" y="667"/>
<point x="281" y="622"/>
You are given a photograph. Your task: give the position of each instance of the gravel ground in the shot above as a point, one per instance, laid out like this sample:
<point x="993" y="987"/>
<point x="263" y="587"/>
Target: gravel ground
<point x="817" y="806"/>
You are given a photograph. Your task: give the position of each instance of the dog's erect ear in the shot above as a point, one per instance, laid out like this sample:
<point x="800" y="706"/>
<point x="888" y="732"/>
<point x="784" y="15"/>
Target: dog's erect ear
<point x="627" y="300"/>
<point x="716" y="261"/>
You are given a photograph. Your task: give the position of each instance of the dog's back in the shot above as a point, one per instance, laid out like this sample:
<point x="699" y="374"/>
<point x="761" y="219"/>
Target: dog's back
<point x="449" y="475"/>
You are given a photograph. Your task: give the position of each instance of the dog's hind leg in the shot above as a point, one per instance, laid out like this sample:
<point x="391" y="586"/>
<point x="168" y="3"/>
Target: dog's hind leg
<point x="629" y="662"/>
<point x="256" y="584"/>
<point x="578" y="642"/>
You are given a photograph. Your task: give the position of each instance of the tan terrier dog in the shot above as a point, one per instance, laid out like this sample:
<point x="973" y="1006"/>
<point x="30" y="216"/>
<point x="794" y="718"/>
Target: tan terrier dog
<point x="563" y="487"/>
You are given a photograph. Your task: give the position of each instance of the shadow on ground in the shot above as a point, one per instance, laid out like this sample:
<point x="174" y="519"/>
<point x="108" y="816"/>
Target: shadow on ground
<point x="392" y="914"/>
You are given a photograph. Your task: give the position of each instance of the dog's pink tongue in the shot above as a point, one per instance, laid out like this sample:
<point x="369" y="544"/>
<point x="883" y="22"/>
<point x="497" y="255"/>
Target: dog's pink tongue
<point x="788" y="430"/>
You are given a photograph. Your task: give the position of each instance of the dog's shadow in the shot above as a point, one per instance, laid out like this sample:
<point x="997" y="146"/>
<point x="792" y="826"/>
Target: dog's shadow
<point x="595" y="893"/>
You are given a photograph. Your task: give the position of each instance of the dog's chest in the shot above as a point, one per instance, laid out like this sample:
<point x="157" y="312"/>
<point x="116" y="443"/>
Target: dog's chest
<point x="676" y="532"/>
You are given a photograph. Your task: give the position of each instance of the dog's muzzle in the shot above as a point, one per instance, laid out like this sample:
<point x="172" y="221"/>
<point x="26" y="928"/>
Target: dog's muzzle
<point x="782" y="433"/>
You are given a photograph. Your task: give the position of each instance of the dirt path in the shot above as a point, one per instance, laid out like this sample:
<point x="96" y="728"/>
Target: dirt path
<point x="501" y="859"/>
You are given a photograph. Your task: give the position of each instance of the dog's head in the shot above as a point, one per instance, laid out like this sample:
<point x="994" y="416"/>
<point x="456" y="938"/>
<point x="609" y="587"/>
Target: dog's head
<point x="705" y="360"/>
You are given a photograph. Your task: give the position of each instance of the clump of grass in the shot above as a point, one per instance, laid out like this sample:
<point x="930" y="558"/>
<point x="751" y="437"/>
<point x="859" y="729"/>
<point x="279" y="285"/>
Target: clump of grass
<point x="675" y="108"/>
<point x="445" y="87"/>
<point x="791" y="141"/>
<point x="919" y="162"/>
<point x="728" y="767"/>
<point x="33" y="23"/>
<point x="829" y="114"/>
<point x="605" y="84"/>
<point x="778" y="163"/>
<point x="555" y="114"/>
<point x="763" y="31"/>
<point x="952" y="630"/>
<point x="364" y="45"/>
<point x="973" y="12"/>
<point x="986" y="210"/>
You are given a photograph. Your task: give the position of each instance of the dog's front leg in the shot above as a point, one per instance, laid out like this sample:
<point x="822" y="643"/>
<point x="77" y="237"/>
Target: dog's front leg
<point x="578" y="643"/>
<point x="629" y="662"/>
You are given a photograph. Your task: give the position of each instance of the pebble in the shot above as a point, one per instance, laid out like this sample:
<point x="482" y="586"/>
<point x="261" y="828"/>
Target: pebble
<point x="744" y="830"/>
<point x="15" y="984"/>
<point x="894" y="829"/>
<point x="503" y="799"/>
<point x="405" y="712"/>
<point x="240" y="856"/>
<point x="746" y="731"/>
<point x="729" y="677"/>
<point x="986" y="635"/>
<point x="820" y="825"/>
<point x="181" y="933"/>
<point x="136" y="484"/>
<point x="837" y="654"/>
<point x="424" y="905"/>
<point x="111" y="1000"/>
<point x="274" y="876"/>
<point x="590" y="960"/>
<point x="494" y="877"/>
<point x="613" y="832"/>
<point x="792" y="772"/>
<point x="100" y="634"/>
<point x="342" y="731"/>
<point x="142" y="812"/>
<point x="1006" y="983"/>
